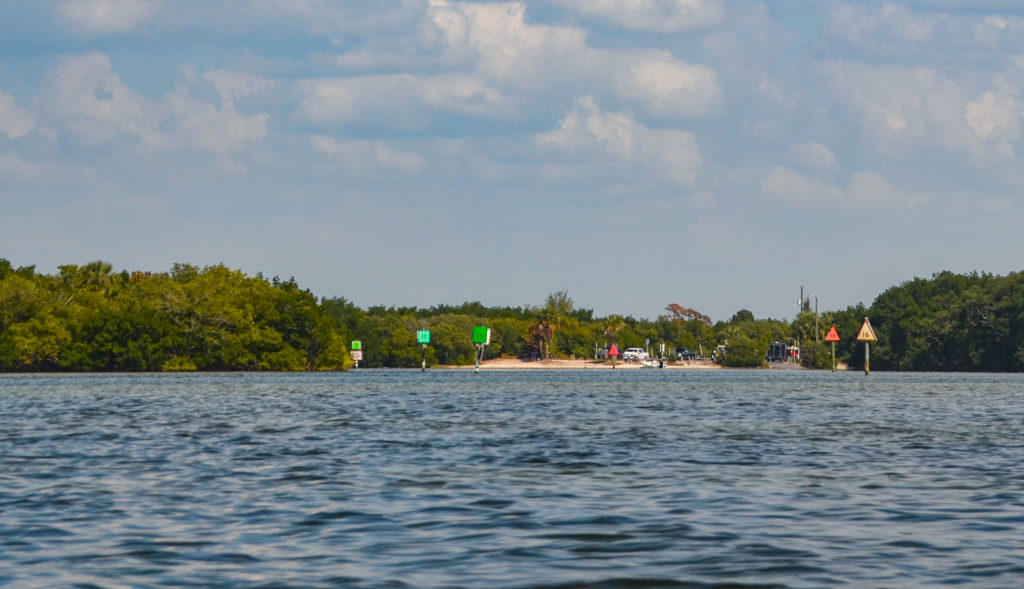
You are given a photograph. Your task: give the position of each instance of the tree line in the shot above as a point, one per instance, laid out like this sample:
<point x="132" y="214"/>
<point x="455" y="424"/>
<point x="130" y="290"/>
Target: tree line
<point x="91" y="318"/>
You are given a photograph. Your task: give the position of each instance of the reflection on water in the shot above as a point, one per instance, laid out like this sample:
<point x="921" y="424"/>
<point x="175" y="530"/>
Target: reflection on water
<point x="512" y="479"/>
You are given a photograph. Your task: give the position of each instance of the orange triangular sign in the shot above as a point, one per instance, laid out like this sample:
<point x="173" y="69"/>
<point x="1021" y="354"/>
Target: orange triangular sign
<point x="833" y="335"/>
<point x="866" y="333"/>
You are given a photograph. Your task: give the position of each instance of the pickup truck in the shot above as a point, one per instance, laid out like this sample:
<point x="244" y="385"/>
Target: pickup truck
<point x="634" y="355"/>
<point x="685" y="354"/>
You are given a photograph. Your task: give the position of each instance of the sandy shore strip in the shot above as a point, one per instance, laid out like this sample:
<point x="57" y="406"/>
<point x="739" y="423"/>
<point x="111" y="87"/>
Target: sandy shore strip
<point x="584" y="364"/>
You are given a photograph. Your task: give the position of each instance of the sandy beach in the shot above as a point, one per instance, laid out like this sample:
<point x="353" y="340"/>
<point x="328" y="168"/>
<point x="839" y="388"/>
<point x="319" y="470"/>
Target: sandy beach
<point x="588" y="364"/>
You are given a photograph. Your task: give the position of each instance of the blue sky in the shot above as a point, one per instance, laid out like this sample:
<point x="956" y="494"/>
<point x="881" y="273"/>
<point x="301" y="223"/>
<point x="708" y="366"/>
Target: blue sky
<point x="635" y="153"/>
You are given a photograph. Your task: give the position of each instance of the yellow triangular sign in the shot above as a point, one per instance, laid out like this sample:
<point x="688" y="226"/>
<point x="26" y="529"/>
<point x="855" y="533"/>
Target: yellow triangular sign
<point x="866" y="333"/>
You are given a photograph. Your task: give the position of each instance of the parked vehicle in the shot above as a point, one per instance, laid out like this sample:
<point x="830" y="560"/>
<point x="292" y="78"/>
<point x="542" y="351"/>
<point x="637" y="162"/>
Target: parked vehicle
<point x="685" y="354"/>
<point x="718" y="353"/>
<point x="781" y="352"/>
<point x="634" y="355"/>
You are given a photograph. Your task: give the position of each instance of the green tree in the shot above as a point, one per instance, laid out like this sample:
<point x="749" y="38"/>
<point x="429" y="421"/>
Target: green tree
<point x="816" y="355"/>
<point x="452" y="338"/>
<point x="334" y="355"/>
<point x="37" y="344"/>
<point x="744" y="352"/>
<point x="549" y="320"/>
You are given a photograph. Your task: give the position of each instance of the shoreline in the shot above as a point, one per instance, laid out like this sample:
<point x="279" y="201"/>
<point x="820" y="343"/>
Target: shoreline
<point x="584" y="364"/>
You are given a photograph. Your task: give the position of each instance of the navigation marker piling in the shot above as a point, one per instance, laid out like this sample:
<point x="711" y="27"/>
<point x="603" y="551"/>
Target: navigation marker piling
<point x="357" y="351"/>
<point x="833" y="336"/>
<point x="481" y="337"/>
<point x="867" y="335"/>
<point x="423" y="337"/>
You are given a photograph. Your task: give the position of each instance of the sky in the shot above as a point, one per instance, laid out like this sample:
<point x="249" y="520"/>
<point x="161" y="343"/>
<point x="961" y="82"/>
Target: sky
<point x="722" y="155"/>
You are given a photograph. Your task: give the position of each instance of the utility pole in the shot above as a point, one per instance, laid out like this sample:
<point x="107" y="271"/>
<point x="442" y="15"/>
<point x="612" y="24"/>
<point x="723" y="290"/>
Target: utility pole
<point x="816" y="319"/>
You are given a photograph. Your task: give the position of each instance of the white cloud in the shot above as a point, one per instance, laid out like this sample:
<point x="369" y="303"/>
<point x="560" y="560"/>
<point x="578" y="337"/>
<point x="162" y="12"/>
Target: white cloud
<point x="905" y="109"/>
<point x="994" y="30"/>
<point x="874" y="27"/>
<point x="507" y="49"/>
<point x="872" y="190"/>
<point x="12" y="166"/>
<point x="103" y="17"/>
<point x="399" y="100"/>
<point x="865" y="190"/>
<point x="497" y="64"/>
<point x="931" y="32"/>
<point x="14" y="120"/>
<point x="329" y="100"/>
<point x="815" y="156"/>
<point x="995" y="118"/>
<point x="98" y="105"/>
<point x="661" y="16"/>
<point x="205" y="127"/>
<point x="231" y="85"/>
<point x="363" y="155"/>
<point x="668" y="86"/>
<point x="463" y="94"/>
<point x="798" y="190"/>
<point x="617" y="138"/>
<point x="318" y="17"/>
<point x="510" y="53"/>
<point x="907" y="25"/>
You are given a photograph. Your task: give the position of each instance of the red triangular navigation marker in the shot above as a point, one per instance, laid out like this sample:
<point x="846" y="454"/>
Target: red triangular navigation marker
<point x="614" y="351"/>
<point x="833" y="335"/>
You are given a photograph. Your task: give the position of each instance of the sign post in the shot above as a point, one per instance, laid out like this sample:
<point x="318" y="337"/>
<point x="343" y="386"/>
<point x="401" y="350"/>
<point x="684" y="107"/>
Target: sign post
<point x="481" y="337"/>
<point x="833" y="336"/>
<point x="612" y="353"/>
<point x="357" y="351"/>
<point x="423" y="337"/>
<point x="867" y="335"/>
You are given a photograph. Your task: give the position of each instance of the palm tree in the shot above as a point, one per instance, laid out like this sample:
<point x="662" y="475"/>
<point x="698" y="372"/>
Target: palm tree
<point x="549" y="319"/>
<point x="95" y="274"/>
<point x="613" y="325"/>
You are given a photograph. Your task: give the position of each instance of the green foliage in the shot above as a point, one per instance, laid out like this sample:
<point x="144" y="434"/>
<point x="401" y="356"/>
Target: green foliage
<point x="745" y="352"/>
<point x="179" y="364"/>
<point x="334" y="355"/>
<point x="284" y="359"/>
<point x="452" y="338"/>
<point x="92" y="318"/>
<point x="20" y="299"/>
<point x="808" y="328"/>
<point x="816" y="355"/>
<point x="89" y="318"/>
<point x="954" y="322"/>
<point x="512" y="334"/>
<point x="39" y="342"/>
<point x="547" y="321"/>
<point x="574" y="339"/>
<point x="742" y="316"/>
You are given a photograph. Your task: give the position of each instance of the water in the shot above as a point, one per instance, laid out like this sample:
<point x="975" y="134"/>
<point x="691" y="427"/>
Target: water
<point x="512" y="479"/>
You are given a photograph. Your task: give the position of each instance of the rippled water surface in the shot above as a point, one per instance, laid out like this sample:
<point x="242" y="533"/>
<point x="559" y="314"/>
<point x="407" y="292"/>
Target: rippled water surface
<point x="512" y="479"/>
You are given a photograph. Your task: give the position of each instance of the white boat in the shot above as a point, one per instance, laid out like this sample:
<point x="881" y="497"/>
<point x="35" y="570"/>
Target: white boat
<point x="652" y="363"/>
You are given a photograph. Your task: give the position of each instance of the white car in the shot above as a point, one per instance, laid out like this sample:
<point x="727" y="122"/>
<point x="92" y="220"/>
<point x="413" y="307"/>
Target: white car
<point x="634" y="355"/>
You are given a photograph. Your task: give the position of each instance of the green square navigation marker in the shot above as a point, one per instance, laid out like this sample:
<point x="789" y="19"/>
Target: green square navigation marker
<point x="481" y="335"/>
<point x="357" y="345"/>
<point x="423" y="336"/>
